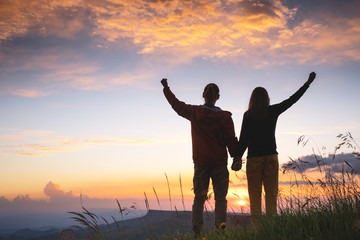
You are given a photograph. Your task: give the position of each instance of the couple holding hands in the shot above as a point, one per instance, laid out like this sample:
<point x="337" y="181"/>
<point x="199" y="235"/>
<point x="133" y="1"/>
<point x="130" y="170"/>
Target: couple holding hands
<point x="212" y="132"/>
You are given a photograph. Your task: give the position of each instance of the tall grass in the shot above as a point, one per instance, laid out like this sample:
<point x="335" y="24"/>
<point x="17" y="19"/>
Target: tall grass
<point x="327" y="207"/>
<point x="93" y="224"/>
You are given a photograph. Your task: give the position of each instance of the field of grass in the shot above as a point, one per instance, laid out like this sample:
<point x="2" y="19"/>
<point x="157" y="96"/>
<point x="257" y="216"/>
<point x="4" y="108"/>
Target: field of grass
<point x="327" y="208"/>
<point x="334" y="216"/>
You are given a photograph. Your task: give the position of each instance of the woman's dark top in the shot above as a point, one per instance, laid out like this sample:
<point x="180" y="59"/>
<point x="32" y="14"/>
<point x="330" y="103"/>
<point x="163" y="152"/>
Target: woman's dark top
<point x="259" y="135"/>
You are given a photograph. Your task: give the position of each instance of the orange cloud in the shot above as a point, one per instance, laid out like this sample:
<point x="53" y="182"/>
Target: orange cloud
<point x="40" y="143"/>
<point x="331" y="40"/>
<point x="257" y="32"/>
<point x="252" y="32"/>
<point x="324" y="130"/>
<point x="58" y="200"/>
<point x="13" y="137"/>
<point x="29" y="93"/>
<point x="210" y="29"/>
<point x="64" y="19"/>
<point x="53" y="191"/>
<point x="103" y="82"/>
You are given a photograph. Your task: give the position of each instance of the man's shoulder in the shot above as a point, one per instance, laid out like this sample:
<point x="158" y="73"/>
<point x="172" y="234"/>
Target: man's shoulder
<point x="212" y="108"/>
<point x="210" y="112"/>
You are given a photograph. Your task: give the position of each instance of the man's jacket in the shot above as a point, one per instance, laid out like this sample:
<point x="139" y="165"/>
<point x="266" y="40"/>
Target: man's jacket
<point x="212" y="131"/>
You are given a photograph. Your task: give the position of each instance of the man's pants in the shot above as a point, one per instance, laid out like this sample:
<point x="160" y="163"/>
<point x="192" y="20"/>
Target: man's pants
<point x="263" y="170"/>
<point x="220" y="180"/>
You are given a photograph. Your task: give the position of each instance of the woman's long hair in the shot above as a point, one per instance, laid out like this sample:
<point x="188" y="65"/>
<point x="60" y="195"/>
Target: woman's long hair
<point x="211" y="92"/>
<point x="259" y="104"/>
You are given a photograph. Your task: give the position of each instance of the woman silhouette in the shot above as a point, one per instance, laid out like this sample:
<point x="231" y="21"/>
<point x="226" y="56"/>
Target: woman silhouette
<point x="258" y="136"/>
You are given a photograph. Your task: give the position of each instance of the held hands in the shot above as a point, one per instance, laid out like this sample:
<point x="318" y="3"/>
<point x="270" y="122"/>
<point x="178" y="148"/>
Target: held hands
<point x="237" y="164"/>
<point x="312" y="76"/>
<point x="164" y="82"/>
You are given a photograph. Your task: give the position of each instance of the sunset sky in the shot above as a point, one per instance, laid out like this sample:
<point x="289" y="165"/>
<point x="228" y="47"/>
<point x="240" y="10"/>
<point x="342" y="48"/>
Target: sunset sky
<point x="82" y="108"/>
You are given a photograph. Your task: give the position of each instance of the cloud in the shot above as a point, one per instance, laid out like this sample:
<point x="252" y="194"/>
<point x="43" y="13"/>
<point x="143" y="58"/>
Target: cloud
<point x="29" y="74"/>
<point x="53" y="191"/>
<point x="318" y="41"/>
<point x="344" y="162"/>
<point x="39" y="69"/>
<point x="63" y="201"/>
<point x="42" y="143"/>
<point x="322" y="131"/>
<point x="103" y="82"/>
<point x="21" y="204"/>
<point x="33" y="93"/>
<point x="188" y="29"/>
<point x="297" y="182"/>
<point x="33" y="149"/>
<point x="63" y="19"/>
<point x="13" y="137"/>
<point x="105" y="140"/>
<point x="58" y="200"/>
<point x="241" y="31"/>
<point x="54" y="45"/>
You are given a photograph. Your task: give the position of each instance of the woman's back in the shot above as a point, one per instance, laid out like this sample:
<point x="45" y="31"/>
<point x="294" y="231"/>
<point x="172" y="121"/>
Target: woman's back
<point x="259" y="122"/>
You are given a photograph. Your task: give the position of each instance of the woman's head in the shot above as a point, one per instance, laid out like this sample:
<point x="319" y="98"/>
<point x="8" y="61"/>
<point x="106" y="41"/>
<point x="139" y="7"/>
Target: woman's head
<point x="259" y="103"/>
<point x="211" y="93"/>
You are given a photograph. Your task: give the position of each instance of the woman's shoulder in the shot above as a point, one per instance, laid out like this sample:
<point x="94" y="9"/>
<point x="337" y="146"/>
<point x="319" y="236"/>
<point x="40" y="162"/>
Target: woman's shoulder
<point x="246" y="114"/>
<point x="274" y="107"/>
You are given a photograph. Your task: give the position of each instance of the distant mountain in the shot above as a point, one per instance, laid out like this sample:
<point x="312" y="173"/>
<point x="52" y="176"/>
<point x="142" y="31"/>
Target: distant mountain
<point x="26" y="234"/>
<point x="155" y="224"/>
<point x="9" y="223"/>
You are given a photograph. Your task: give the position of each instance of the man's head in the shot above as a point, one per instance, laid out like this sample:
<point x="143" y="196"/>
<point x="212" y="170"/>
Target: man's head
<point x="211" y="93"/>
